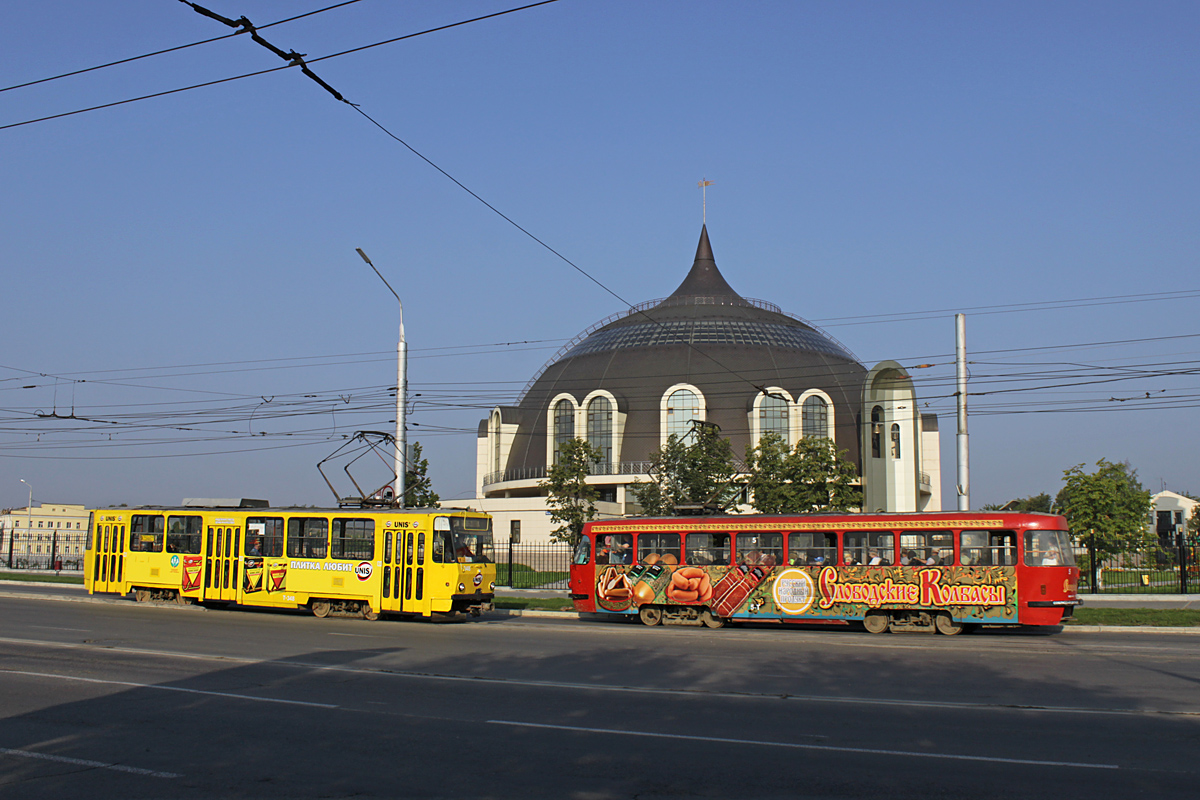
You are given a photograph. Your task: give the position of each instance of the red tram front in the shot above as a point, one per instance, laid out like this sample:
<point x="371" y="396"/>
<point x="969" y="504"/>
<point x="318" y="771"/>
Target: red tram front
<point x="935" y="571"/>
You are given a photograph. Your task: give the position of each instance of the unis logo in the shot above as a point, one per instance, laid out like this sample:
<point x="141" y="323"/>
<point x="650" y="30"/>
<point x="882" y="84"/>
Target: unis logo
<point x="363" y="570"/>
<point x="175" y="561"/>
<point x="478" y="579"/>
<point x="794" y="591"/>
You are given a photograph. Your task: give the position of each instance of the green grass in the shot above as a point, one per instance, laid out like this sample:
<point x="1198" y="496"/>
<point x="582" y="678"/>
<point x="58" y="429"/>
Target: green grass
<point x="535" y="603"/>
<point x="524" y="577"/>
<point x="1156" y="617"/>
<point x="33" y="576"/>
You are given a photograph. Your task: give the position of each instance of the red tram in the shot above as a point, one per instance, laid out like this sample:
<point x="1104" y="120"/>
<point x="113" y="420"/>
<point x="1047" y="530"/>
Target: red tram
<point x="947" y="571"/>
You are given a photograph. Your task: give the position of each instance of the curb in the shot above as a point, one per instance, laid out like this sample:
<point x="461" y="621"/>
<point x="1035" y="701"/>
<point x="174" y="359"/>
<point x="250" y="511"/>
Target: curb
<point x="110" y="601"/>
<point x="1177" y="629"/>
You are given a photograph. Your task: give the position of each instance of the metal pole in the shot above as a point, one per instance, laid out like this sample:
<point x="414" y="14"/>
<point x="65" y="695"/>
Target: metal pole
<point x="960" y="351"/>
<point x="28" y="520"/>
<point x="401" y="455"/>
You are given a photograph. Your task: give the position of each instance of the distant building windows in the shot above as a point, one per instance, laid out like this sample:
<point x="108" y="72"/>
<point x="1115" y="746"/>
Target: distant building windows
<point x="683" y="406"/>
<point x="564" y="425"/>
<point x="773" y="416"/>
<point x="600" y="427"/>
<point x="814" y="417"/>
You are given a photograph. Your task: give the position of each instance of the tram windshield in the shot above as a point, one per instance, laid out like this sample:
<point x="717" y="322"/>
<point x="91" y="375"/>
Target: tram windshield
<point x="1049" y="549"/>
<point x="472" y="539"/>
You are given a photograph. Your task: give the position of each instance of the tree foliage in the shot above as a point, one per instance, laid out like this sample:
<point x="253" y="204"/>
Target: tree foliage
<point x="418" y="488"/>
<point x="572" y="500"/>
<point x="813" y="476"/>
<point x="1032" y="504"/>
<point x="1108" y="510"/>
<point x="690" y="474"/>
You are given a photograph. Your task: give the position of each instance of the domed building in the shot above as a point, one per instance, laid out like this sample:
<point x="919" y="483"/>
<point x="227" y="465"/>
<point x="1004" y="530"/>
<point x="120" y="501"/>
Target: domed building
<point x="703" y="355"/>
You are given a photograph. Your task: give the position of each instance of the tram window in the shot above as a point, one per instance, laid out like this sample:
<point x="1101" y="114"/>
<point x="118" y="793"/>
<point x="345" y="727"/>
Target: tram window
<point x="183" y="535"/>
<point x="812" y="549"/>
<point x="763" y="549"/>
<point x="146" y="533"/>
<point x="928" y="548"/>
<point x="353" y="539"/>
<point x="988" y="549"/>
<point x="854" y="548"/>
<point x="656" y="547"/>
<point x="583" y="552"/>
<point x="615" y="549"/>
<point x="264" y="537"/>
<point x="873" y="548"/>
<point x="443" y="551"/>
<point x="1048" y="549"/>
<point x="307" y="537"/>
<point x="470" y="540"/>
<point x="708" y="548"/>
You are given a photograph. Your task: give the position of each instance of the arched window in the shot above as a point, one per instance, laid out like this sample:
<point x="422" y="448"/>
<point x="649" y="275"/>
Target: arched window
<point x="564" y="425"/>
<point x="773" y="416"/>
<point x="895" y="440"/>
<point x="814" y="417"/>
<point x="877" y="432"/>
<point x="599" y="427"/>
<point x="683" y="406"/>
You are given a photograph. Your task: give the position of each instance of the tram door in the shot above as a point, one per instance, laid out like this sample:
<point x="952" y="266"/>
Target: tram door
<point x="392" y="576"/>
<point x="222" y="562"/>
<point x="108" y="561"/>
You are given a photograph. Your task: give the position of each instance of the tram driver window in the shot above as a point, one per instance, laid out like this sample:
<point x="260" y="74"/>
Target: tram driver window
<point x="707" y="548"/>
<point x="307" y="537"/>
<point x="146" y="533"/>
<point x="760" y="549"/>
<point x="1048" y="549"/>
<point x="653" y="548"/>
<point x="183" y="535"/>
<point x="583" y="552"/>
<point x="812" y="549"/>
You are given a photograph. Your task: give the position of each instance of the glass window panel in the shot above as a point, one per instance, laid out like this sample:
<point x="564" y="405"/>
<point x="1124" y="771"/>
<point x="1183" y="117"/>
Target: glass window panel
<point x="599" y="427"/>
<point x="655" y="547"/>
<point x="683" y="406"/>
<point x="708" y="548"/>
<point x="765" y="549"/>
<point x="812" y="549"/>
<point x="814" y="417"/>
<point x="773" y="416"/>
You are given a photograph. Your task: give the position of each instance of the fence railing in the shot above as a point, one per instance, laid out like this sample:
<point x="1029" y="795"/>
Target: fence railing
<point x="533" y="566"/>
<point x="539" y="473"/>
<point x="72" y="563"/>
<point x="1155" y="570"/>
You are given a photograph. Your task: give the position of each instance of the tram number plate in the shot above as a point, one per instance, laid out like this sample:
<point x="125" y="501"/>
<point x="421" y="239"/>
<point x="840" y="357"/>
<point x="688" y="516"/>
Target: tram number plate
<point x="289" y="598"/>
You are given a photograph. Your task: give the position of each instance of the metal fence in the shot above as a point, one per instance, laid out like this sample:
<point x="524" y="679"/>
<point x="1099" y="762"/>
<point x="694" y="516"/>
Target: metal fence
<point x="533" y="566"/>
<point x="1154" y="570"/>
<point x="43" y="561"/>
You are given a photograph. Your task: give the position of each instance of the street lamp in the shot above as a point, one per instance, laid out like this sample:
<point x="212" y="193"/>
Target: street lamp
<point x="28" y="521"/>
<point x="401" y="389"/>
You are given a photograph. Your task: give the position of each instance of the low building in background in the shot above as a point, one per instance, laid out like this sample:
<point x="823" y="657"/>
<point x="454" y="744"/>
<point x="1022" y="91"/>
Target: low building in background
<point x="34" y="538"/>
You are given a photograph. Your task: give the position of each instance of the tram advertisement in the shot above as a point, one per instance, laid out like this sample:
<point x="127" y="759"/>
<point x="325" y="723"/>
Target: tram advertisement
<point x="766" y="590"/>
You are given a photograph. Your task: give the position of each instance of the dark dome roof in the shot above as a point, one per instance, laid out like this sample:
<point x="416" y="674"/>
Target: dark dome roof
<point x="704" y="334"/>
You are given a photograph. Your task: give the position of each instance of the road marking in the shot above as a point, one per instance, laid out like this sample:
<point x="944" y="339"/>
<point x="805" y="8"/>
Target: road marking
<point x="134" y="685"/>
<point x="798" y="746"/>
<point x="599" y="687"/>
<point x="83" y="762"/>
<point x="56" y="628"/>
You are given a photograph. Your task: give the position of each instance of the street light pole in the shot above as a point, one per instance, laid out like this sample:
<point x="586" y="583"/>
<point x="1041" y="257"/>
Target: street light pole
<point x="401" y="390"/>
<point x="28" y="522"/>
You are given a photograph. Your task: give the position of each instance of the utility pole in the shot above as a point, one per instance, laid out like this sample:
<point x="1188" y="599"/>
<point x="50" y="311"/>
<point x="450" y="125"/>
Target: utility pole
<point x="401" y="391"/>
<point x="960" y="363"/>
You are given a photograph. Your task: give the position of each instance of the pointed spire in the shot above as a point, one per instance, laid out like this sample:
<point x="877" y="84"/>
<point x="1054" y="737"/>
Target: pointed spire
<point x="704" y="279"/>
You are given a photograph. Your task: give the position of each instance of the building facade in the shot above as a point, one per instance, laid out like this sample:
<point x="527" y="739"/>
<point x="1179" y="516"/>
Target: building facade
<point x="703" y="355"/>
<point x="34" y="537"/>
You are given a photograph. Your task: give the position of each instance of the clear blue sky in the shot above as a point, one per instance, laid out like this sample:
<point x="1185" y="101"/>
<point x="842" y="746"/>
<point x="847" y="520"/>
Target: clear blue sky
<point x="867" y="159"/>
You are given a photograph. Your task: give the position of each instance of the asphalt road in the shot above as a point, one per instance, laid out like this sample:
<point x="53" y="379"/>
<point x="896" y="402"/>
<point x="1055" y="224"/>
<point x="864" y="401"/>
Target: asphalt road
<point x="126" y="701"/>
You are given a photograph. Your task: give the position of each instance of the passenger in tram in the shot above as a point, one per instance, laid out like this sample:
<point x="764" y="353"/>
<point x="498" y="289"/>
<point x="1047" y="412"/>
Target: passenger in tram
<point x="1053" y="557"/>
<point x="875" y="559"/>
<point x="255" y="548"/>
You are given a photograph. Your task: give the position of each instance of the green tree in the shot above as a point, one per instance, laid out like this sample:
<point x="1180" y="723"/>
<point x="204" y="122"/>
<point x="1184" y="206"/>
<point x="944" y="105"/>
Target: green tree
<point x="418" y="488"/>
<point x="1108" y="510"/>
<point x="1033" y="503"/>
<point x="696" y="474"/>
<point x="571" y="498"/>
<point x="814" y="476"/>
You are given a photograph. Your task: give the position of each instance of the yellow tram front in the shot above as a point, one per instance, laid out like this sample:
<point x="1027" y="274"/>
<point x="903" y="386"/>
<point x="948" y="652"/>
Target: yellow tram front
<point x="411" y="562"/>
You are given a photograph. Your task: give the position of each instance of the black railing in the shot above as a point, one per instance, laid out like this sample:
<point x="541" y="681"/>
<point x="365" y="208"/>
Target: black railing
<point x="533" y="566"/>
<point x="1155" y="570"/>
<point x="539" y="473"/>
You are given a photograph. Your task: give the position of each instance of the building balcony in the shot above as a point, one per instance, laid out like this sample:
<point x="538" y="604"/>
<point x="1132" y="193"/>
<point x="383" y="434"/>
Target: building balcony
<point x="600" y="469"/>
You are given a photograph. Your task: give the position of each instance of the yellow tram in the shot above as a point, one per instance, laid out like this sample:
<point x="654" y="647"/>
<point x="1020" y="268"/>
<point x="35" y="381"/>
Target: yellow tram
<point x="369" y="561"/>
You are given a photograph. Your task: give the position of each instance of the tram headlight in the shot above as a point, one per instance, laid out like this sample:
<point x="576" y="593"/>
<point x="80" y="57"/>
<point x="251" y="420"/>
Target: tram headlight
<point x="462" y="587"/>
<point x="492" y="586"/>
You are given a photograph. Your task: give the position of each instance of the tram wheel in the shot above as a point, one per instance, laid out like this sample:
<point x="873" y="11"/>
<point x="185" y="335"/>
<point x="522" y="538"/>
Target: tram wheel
<point x="876" y="622"/>
<point x="369" y="613"/>
<point x="141" y="595"/>
<point x="650" y="615"/>
<point x="945" y="624"/>
<point x="320" y="608"/>
<point x="711" y="620"/>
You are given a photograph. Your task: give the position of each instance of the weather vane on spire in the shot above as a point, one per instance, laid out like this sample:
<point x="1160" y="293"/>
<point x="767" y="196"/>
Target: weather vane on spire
<point x="704" y="184"/>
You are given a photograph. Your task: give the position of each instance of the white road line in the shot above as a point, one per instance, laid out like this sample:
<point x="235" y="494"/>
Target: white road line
<point x="599" y="687"/>
<point x="83" y="762"/>
<point x="797" y="746"/>
<point x="134" y="685"/>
